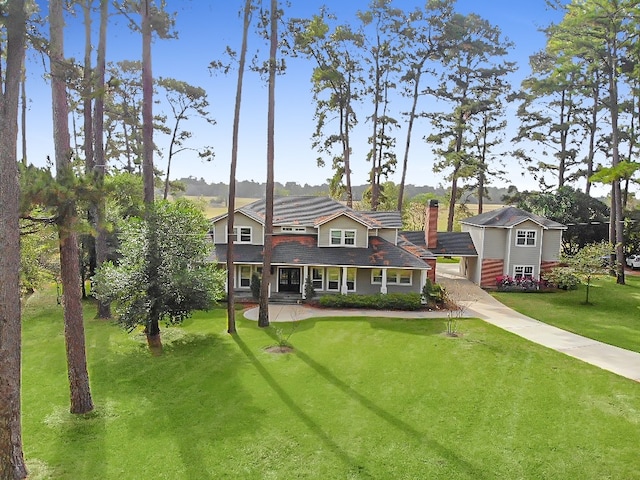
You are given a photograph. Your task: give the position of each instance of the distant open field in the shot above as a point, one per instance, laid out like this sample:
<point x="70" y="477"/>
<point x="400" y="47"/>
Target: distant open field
<point x="213" y="209"/>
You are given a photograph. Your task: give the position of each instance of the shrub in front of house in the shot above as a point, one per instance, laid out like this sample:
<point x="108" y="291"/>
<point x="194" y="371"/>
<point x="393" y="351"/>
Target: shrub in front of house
<point x="378" y="301"/>
<point x="563" y="278"/>
<point x="506" y="283"/>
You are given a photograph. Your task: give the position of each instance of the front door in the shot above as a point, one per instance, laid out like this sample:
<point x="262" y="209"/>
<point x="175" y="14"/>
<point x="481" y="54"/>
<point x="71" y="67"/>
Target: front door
<point x="289" y="280"/>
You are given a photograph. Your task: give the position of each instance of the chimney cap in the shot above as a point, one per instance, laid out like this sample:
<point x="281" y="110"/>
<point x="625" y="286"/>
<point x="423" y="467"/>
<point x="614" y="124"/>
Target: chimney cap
<point x="433" y="202"/>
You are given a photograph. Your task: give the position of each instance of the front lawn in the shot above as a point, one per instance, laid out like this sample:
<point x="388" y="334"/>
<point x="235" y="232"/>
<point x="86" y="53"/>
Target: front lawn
<point x="359" y="398"/>
<point x="612" y="315"/>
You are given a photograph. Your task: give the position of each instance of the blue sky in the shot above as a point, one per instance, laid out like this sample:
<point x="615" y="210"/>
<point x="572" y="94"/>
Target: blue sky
<point x="205" y="28"/>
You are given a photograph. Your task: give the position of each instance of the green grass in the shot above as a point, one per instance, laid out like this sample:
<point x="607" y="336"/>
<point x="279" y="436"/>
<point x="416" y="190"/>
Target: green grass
<point x="359" y="398"/>
<point x="612" y="315"/>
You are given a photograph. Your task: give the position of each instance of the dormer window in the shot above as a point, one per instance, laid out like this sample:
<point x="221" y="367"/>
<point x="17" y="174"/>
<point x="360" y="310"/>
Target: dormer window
<point x="340" y="237"/>
<point x="526" y="238"/>
<point x="242" y="234"/>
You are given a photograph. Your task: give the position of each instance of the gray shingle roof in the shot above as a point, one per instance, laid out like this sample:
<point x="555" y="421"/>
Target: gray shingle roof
<point x="311" y="211"/>
<point x="507" y="217"/>
<point x="454" y="244"/>
<point x="303" y="250"/>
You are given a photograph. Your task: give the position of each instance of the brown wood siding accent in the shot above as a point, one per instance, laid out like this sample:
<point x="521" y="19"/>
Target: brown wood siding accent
<point x="490" y="270"/>
<point x="546" y="266"/>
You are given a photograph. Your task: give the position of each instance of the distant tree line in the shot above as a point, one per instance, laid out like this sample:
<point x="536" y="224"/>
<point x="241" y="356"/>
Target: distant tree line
<point x="251" y="189"/>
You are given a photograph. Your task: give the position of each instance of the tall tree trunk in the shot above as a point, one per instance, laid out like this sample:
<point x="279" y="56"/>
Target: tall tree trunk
<point x="23" y="116"/>
<point x="147" y="106"/>
<point x="263" y="312"/>
<point x="104" y="308"/>
<point x="412" y="117"/>
<point x="12" y="464"/>
<point x="231" y="307"/>
<point x="89" y="241"/>
<point x="615" y="161"/>
<point x="80" y="392"/>
<point x="153" y="324"/>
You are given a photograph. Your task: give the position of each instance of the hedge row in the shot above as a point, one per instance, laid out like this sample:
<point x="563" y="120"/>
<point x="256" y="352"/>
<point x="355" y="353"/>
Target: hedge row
<point x="378" y="301"/>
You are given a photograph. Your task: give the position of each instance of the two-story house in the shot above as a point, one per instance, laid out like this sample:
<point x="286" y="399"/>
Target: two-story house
<point x="340" y="250"/>
<point x="513" y="242"/>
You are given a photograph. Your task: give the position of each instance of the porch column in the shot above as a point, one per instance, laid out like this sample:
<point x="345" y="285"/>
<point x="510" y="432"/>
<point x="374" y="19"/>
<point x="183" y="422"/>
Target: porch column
<point x="423" y="278"/>
<point x="269" y="290"/>
<point x="383" y="287"/>
<point x="305" y="277"/>
<point x="343" y="288"/>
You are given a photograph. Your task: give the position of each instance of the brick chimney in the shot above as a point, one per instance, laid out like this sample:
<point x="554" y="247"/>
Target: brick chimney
<point x="431" y="224"/>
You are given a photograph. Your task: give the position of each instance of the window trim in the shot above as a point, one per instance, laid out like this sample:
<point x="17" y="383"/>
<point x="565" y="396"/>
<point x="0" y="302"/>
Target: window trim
<point x="241" y="278"/>
<point x="343" y="237"/>
<point x="329" y="271"/>
<point x="394" y="276"/>
<point x="321" y="279"/>
<point x="237" y="232"/>
<point x="525" y="237"/>
<point x="524" y="268"/>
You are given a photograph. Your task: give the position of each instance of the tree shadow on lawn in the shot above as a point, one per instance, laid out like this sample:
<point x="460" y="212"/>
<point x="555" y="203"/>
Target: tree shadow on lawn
<point x="170" y="399"/>
<point x="412" y="326"/>
<point x="381" y="413"/>
<point x="304" y="417"/>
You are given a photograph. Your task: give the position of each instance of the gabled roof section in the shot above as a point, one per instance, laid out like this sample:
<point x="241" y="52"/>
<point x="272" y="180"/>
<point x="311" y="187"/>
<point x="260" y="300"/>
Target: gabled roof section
<point x="508" y="217"/>
<point x="308" y="211"/>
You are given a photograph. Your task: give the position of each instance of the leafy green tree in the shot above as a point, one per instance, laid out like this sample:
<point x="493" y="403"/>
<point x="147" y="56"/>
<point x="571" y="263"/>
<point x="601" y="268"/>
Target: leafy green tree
<point x="80" y="392"/>
<point x="13" y="21"/>
<point x="474" y="59"/>
<point x="383" y="52"/>
<point x="589" y="261"/>
<point x="586" y="218"/>
<point x="337" y="86"/>
<point x="184" y="101"/>
<point x="181" y="280"/>
<point x="425" y="43"/>
<point x="604" y="31"/>
<point x="547" y="112"/>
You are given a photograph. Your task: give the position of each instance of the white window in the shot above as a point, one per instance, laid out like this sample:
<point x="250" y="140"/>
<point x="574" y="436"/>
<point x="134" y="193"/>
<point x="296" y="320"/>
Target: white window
<point x="394" y="277"/>
<point x="404" y="277"/>
<point x="351" y="279"/>
<point x="526" y="238"/>
<point x="523" y="271"/>
<point x="294" y="229"/>
<point x="376" y="276"/>
<point x="242" y="234"/>
<point x="342" y="237"/>
<point x="244" y="276"/>
<point x="317" y="278"/>
<point x="333" y="279"/>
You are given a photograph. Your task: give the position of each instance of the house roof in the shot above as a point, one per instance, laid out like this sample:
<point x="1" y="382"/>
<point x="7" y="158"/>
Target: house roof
<point x="455" y="244"/>
<point x="303" y="250"/>
<point x="309" y="211"/>
<point x="508" y="217"/>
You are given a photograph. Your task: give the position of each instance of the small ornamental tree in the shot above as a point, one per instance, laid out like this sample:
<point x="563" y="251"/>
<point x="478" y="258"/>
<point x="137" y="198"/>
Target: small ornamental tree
<point x="185" y="280"/>
<point x="589" y="261"/>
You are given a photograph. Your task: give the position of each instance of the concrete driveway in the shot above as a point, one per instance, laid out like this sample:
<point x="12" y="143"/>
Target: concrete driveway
<point x="475" y="302"/>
